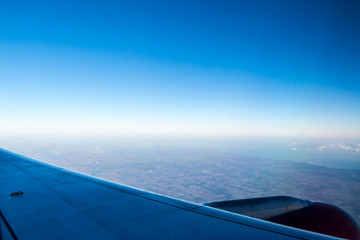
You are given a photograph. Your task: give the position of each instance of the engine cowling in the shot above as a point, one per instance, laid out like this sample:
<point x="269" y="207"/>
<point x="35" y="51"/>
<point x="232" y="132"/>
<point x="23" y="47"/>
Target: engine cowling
<point x="294" y="212"/>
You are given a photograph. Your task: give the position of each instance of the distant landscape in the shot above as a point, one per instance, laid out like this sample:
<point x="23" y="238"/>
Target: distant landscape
<point x="203" y="175"/>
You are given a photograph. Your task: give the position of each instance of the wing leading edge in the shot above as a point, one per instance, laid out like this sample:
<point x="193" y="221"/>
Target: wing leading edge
<point x="41" y="201"/>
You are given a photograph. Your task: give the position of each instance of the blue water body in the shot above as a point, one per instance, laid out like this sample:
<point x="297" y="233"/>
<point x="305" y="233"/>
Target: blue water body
<point x="335" y="153"/>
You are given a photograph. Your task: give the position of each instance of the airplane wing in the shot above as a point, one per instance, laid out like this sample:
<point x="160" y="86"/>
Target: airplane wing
<point x="41" y="201"/>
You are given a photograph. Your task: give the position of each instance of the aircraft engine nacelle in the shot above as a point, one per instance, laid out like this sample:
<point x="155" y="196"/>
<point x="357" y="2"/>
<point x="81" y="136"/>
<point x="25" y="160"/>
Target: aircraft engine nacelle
<point x="294" y="212"/>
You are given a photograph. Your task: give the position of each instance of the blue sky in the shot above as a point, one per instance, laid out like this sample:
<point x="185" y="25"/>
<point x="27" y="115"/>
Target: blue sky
<point x="238" y="68"/>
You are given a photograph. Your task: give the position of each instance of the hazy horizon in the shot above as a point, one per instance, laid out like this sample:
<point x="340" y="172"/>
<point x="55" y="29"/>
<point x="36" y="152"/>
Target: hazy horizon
<point x="343" y="153"/>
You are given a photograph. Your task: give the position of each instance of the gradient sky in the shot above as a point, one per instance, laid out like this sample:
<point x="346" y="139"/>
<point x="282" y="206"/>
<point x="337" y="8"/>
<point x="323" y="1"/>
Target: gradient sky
<point x="239" y="68"/>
